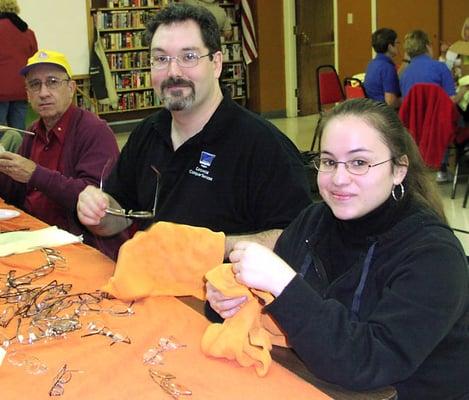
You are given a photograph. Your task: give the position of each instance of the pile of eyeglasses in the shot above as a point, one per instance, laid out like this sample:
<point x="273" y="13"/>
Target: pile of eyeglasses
<point x="49" y="310"/>
<point x="31" y="312"/>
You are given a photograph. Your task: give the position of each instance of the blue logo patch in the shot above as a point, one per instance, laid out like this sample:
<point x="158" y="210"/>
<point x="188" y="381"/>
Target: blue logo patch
<point x="206" y="159"/>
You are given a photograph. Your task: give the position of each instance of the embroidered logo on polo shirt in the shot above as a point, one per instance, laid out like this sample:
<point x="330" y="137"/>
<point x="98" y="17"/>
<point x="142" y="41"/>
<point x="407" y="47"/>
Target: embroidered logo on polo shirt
<point x="206" y="159"/>
<point x="205" y="162"/>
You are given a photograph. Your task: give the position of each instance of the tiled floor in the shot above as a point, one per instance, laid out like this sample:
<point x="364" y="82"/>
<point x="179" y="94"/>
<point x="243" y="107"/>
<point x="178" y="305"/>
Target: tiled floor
<point x="300" y="131"/>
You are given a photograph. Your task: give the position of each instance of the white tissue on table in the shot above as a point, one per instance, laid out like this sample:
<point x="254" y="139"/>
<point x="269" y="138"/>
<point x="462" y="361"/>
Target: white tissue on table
<point x="25" y="241"/>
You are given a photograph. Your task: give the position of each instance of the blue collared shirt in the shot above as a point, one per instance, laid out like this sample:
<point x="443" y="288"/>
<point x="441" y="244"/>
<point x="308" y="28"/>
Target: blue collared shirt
<point x="381" y="77"/>
<point x="423" y="69"/>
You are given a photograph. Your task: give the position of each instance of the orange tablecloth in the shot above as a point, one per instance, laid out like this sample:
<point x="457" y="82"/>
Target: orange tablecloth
<point x="118" y="372"/>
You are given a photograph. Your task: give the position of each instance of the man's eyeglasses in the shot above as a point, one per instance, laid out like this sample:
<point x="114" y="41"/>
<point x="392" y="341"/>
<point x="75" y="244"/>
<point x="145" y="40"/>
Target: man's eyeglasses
<point x="186" y="60"/>
<point x="355" y="167"/>
<point x="51" y="83"/>
<point x="120" y="212"/>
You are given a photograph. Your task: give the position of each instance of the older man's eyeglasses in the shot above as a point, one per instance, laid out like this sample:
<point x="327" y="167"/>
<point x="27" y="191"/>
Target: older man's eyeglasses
<point x="185" y="60"/>
<point x="51" y="82"/>
<point x="355" y="167"/>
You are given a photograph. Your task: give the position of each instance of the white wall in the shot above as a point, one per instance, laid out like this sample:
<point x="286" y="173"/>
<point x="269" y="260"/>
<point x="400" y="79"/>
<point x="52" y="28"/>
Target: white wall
<point x="60" y="25"/>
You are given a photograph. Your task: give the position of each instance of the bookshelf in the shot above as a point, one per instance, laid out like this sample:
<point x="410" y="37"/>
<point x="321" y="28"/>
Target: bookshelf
<point x="121" y="27"/>
<point x="234" y="74"/>
<point x="84" y="95"/>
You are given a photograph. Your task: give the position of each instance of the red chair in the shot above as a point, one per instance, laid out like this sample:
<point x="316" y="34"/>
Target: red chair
<point x="329" y="88"/>
<point x="329" y="91"/>
<point x="354" y="88"/>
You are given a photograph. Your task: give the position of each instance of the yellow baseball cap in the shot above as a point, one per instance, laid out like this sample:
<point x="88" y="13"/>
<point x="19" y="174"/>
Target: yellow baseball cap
<point x="47" y="57"/>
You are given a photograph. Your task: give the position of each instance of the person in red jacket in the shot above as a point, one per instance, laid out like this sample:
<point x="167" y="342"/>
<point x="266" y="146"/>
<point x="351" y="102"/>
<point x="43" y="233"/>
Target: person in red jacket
<point x="18" y="44"/>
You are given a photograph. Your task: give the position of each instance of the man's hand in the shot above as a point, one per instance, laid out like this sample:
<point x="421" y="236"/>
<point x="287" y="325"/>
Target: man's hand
<point x="91" y="206"/>
<point x="16" y="167"/>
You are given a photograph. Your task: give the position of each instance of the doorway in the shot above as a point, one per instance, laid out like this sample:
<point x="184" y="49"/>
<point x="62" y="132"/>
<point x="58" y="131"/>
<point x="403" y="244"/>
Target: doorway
<point x="315" y="46"/>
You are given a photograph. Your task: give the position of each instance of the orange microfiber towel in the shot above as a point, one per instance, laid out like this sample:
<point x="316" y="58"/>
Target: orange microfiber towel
<point x="168" y="259"/>
<point x="247" y="336"/>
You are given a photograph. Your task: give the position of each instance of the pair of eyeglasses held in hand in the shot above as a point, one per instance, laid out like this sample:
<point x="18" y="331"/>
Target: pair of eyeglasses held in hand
<point x="120" y="212"/>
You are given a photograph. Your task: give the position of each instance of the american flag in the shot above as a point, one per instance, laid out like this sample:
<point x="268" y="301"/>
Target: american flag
<point x="248" y="32"/>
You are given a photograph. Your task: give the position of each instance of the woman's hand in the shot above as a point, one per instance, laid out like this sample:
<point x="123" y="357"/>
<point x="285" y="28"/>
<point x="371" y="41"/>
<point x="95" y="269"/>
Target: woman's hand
<point x="226" y="307"/>
<point x="260" y="268"/>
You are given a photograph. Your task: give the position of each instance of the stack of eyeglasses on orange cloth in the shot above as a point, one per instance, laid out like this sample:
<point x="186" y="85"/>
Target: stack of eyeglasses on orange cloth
<point x="30" y="312"/>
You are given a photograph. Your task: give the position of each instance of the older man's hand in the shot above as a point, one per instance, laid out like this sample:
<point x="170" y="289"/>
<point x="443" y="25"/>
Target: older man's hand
<point x="17" y="167"/>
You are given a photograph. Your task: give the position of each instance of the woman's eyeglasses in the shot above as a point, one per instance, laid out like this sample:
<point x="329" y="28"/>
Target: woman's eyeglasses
<point x="355" y="167"/>
<point x="121" y="212"/>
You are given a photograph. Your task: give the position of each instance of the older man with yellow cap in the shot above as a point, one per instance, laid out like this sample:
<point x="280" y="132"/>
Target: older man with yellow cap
<point x="67" y="150"/>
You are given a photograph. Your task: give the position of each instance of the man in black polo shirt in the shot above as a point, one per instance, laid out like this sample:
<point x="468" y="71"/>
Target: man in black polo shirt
<point x="203" y="160"/>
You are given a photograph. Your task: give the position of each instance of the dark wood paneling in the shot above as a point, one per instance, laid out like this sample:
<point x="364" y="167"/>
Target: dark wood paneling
<point x="315" y="46"/>
<point x="307" y="85"/>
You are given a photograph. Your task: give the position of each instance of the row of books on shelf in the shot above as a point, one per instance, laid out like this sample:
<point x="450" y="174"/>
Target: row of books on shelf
<point x="123" y="40"/>
<point x="235" y="37"/>
<point x="85" y="103"/>
<point x="132" y="101"/>
<point x="121" y="19"/>
<point x="132" y="80"/>
<point x="234" y="71"/>
<point x="236" y="89"/>
<point x="231" y="52"/>
<point x="231" y="12"/>
<point x="131" y="3"/>
<point x="128" y="59"/>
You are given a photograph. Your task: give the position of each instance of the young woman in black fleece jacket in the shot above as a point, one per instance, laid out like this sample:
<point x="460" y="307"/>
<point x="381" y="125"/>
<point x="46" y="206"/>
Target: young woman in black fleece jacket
<point x="371" y="286"/>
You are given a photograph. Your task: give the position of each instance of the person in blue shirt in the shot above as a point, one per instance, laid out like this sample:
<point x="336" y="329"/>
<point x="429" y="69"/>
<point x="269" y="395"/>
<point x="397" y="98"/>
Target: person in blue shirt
<point x="381" y="78"/>
<point x="423" y="69"/>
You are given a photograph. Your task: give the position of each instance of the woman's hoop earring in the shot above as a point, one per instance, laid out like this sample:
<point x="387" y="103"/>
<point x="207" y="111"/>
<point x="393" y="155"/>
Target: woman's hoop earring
<point x="401" y="194"/>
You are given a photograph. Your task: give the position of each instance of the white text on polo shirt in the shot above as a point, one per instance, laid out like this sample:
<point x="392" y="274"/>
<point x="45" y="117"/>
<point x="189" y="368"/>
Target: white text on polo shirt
<point x="202" y="173"/>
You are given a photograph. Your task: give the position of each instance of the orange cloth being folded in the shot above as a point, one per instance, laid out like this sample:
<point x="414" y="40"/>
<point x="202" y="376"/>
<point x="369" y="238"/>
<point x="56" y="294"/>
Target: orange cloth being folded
<point x="247" y="336"/>
<point x="166" y="260"/>
<point x="171" y="260"/>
